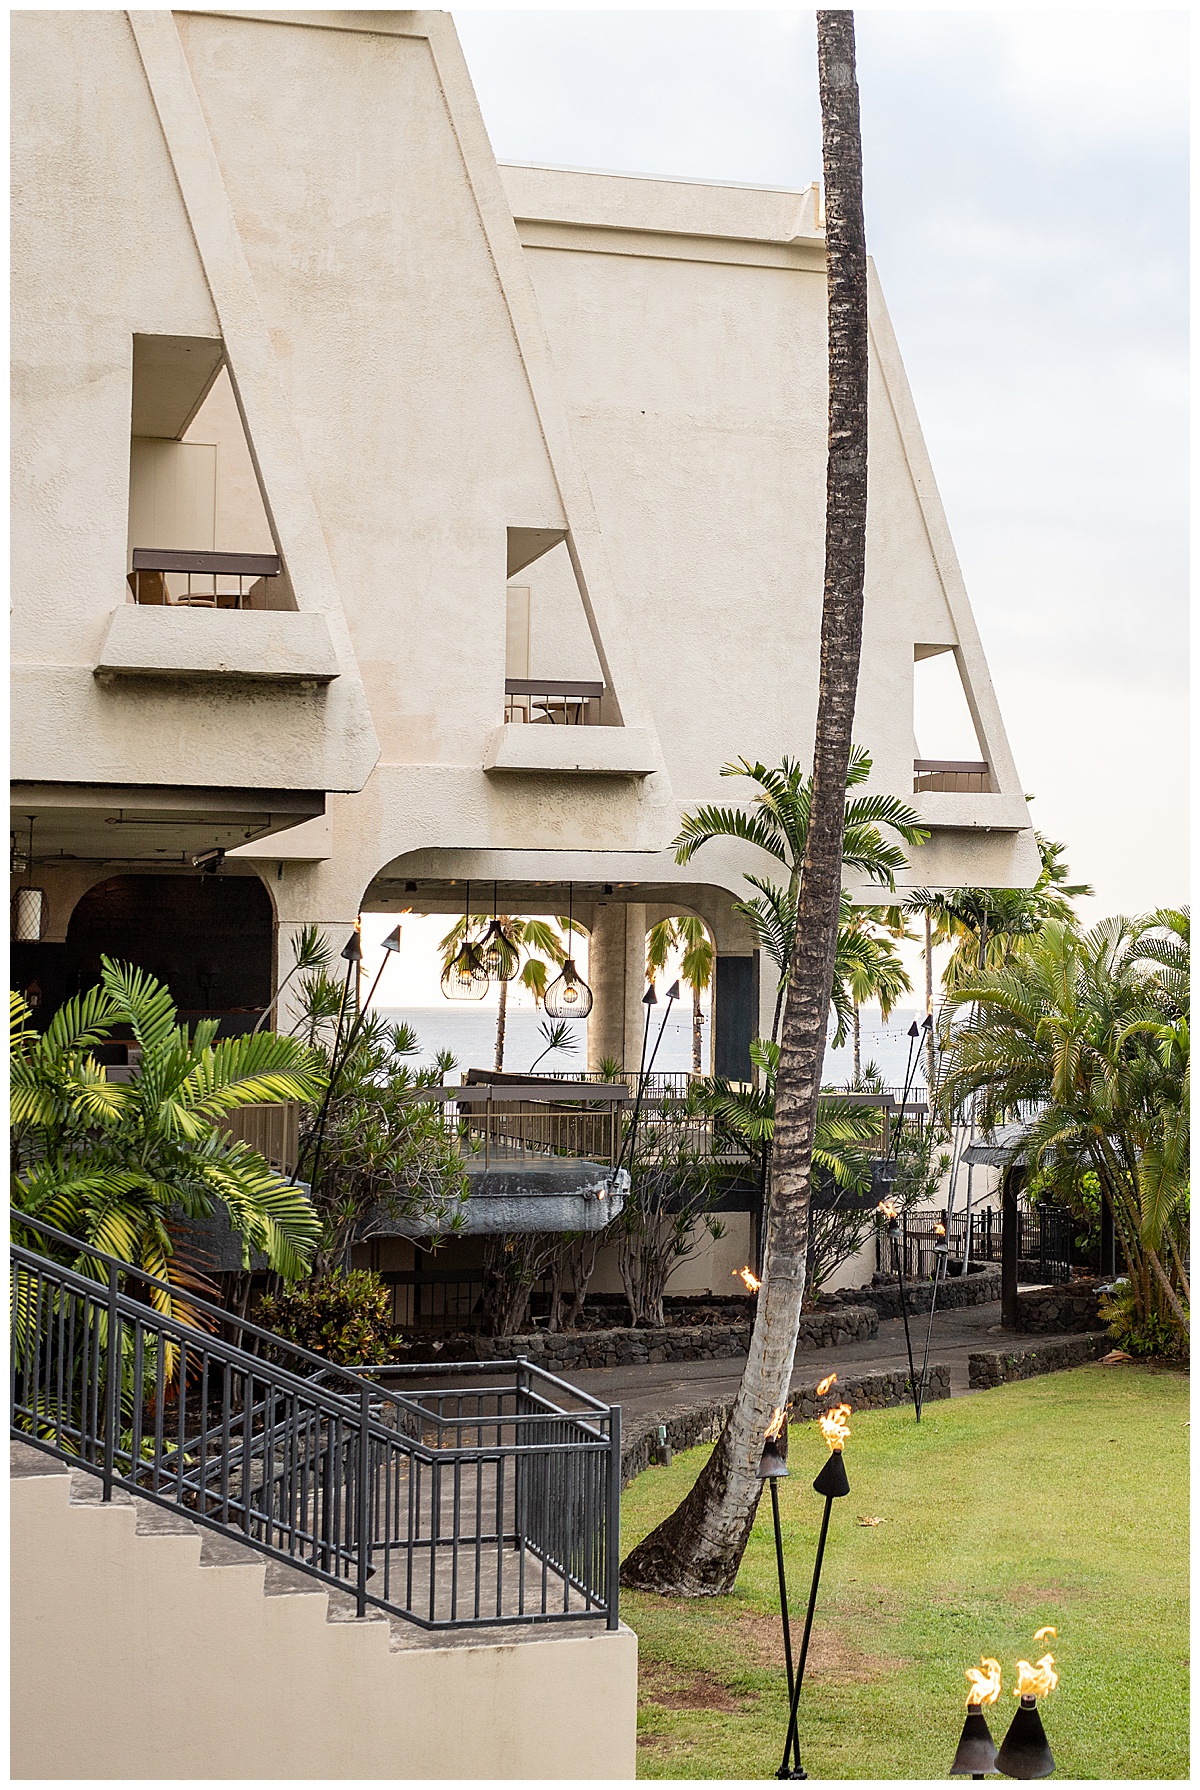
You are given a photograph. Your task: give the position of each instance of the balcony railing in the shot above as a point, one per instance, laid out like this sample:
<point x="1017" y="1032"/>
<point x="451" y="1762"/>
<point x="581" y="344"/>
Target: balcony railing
<point x="952" y="776"/>
<point x="562" y="702"/>
<point x="202" y="580"/>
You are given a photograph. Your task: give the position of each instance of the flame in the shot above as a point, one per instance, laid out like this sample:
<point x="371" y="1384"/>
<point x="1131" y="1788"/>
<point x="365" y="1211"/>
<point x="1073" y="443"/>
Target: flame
<point x="752" y="1281"/>
<point x="888" y="1209"/>
<point x="834" y="1427"/>
<point x="823" y="1388"/>
<point x="1043" y="1632"/>
<point x="1036" y="1681"/>
<point x="939" y="1230"/>
<point x="774" y="1429"/>
<point x="985" y="1685"/>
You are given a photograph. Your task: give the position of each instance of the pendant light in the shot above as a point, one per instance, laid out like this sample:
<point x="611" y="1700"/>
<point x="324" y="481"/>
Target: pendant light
<point x="500" y="956"/>
<point x="568" y="996"/>
<point x="465" y="978"/>
<point x="28" y="904"/>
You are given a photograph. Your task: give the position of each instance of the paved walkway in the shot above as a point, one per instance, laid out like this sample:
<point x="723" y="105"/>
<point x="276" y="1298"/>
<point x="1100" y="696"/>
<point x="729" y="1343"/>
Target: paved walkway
<point x="644" y="1392"/>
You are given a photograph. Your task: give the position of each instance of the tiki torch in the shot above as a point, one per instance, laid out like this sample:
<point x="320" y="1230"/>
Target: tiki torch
<point x="888" y="1210"/>
<point x="773" y="1467"/>
<point x="941" y="1252"/>
<point x="1025" y="1751"/>
<point x="830" y="1483"/>
<point x="976" y="1754"/>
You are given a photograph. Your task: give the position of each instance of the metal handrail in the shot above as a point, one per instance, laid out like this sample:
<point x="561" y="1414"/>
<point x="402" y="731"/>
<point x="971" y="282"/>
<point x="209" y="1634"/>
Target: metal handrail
<point x="448" y="1505"/>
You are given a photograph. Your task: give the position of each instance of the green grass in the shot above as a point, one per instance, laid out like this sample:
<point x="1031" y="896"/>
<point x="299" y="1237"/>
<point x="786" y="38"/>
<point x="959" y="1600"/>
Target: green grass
<point x="1058" y="1500"/>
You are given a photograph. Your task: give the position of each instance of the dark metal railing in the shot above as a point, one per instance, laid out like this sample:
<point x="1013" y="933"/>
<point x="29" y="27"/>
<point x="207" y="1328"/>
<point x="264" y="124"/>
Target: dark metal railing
<point x="453" y="1497"/>
<point x="513" y="1120"/>
<point x="221" y="577"/>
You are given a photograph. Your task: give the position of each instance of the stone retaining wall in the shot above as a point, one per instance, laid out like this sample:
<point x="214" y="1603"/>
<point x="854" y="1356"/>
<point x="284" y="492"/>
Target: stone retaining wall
<point x="689" y="1426"/>
<point x="1074" y="1306"/>
<point x="571" y="1350"/>
<point x="999" y="1367"/>
<point x="979" y="1287"/>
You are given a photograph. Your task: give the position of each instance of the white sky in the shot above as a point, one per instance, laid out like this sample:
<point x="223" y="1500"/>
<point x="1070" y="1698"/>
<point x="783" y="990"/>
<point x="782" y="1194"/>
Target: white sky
<point x="1026" y="196"/>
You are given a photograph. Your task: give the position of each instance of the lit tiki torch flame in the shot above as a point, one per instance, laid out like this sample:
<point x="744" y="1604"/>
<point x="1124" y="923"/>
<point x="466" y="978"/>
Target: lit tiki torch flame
<point x="823" y="1388"/>
<point x="888" y="1209"/>
<point x="939" y="1230"/>
<point x="751" y="1280"/>
<point x="834" y="1427"/>
<point x="985" y="1685"/>
<point x="773" y="1464"/>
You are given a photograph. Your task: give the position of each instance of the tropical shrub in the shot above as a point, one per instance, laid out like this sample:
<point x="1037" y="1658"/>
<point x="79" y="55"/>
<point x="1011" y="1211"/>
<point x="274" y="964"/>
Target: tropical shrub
<point x="377" y="1155"/>
<point x="122" y="1165"/>
<point x="345" y="1317"/>
<point x="1083" y="1039"/>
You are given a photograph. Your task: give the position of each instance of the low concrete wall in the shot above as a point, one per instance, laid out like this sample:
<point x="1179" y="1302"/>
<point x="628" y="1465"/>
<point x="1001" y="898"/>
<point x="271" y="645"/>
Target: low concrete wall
<point x="1051" y="1311"/>
<point x="570" y="1350"/>
<point x="131" y="1660"/>
<point x="688" y="1427"/>
<point x="999" y="1367"/>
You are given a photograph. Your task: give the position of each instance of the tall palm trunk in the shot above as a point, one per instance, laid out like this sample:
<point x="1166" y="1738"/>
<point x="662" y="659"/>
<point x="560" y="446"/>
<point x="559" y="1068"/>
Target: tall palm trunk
<point x="697" y="1033"/>
<point x="698" y="1549"/>
<point x="501" y="1024"/>
<point x="857" y="1044"/>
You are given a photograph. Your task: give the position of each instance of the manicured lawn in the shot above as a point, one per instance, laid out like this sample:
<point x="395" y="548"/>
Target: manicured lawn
<point x="1059" y="1500"/>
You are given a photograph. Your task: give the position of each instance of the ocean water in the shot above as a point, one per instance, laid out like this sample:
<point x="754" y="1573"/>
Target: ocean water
<point x="470" y="1033"/>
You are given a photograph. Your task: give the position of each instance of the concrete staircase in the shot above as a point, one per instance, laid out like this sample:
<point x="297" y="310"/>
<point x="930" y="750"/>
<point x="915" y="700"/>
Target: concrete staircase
<point x="147" y="1645"/>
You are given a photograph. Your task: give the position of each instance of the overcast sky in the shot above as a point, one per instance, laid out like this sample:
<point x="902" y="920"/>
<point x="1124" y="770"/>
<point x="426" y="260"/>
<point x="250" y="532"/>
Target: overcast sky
<point x="1026" y="201"/>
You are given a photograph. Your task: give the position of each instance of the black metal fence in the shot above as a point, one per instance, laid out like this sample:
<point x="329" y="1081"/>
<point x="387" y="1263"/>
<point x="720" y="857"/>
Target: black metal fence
<point x="454" y="1497"/>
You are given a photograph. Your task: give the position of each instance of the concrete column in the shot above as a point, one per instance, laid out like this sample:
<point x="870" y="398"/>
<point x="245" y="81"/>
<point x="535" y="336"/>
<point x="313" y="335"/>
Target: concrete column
<point x="616" y="974"/>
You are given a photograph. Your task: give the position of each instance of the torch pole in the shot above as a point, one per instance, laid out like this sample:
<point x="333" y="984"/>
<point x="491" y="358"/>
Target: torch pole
<point x="912" y="1372"/>
<point x="783" y="1606"/>
<point x="940" y="1257"/>
<point x="792" y="1740"/>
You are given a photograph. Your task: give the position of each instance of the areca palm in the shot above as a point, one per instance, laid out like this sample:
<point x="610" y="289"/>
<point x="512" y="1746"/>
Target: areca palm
<point x="777" y="821"/>
<point x="1083" y="1037"/>
<point x="119" y="1165"/>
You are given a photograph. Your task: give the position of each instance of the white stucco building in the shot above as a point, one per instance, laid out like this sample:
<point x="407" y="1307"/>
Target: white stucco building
<point x="483" y="447"/>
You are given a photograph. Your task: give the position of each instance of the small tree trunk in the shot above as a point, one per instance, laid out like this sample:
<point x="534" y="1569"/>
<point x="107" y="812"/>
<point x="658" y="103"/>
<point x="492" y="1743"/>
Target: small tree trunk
<point x="698" y="1549"/>
<point x="501" y="1024"/>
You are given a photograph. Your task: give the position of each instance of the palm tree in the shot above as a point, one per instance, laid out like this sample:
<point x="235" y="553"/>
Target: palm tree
<point x="688" y="934"/>
<point x="120" y="1164"/>
<point x="508" y="939"/>
<point x="698" y="1549"/>
<point x="1083" y="1038"/>
<point x="986" y="926"/>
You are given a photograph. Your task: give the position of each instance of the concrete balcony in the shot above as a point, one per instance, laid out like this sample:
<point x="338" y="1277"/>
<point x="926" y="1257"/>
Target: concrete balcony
<point x="251" y="646"/>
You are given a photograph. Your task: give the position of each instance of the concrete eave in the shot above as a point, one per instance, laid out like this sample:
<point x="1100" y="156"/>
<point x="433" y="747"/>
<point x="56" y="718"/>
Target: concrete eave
<point x="554" y="1196"/>
<point x="572" y="751"/>
<point x="257" y="646"/>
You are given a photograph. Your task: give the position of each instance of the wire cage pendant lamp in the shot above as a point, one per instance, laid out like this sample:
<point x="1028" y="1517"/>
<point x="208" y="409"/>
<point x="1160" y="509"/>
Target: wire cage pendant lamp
<point x="465" y="977"/>
<point x="568" y="996"/>
<point x="498" y="952"/>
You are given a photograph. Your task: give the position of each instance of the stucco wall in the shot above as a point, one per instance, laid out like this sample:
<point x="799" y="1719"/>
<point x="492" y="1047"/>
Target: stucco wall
<point x="129" y="1660"/>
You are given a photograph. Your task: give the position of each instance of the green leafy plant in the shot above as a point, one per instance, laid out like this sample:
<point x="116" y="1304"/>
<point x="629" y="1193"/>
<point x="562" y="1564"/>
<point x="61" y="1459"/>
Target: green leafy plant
<point x="120" y="1164"/>
<point x="345" y="1317"/>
